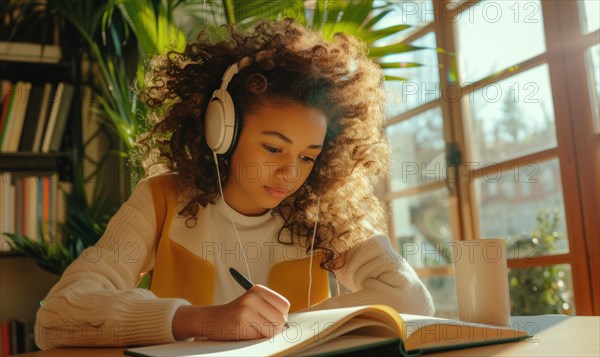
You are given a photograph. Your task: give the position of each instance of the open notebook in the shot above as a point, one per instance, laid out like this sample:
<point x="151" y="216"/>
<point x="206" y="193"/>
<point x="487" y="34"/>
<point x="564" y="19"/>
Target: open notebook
<point x="346" y="329"/>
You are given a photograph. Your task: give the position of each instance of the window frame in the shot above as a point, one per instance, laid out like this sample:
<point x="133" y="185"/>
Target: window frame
<point x="577" y="144"/>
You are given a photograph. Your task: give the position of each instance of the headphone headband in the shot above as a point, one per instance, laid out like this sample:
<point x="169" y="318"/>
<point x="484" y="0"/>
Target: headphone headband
<point x="232" y="70"/>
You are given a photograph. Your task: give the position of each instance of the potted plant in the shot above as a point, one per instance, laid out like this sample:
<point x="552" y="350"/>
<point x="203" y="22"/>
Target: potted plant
<point x="542" y="289"/>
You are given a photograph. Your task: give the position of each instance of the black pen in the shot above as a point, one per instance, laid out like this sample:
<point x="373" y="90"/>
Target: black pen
<point x="245" y="283"/>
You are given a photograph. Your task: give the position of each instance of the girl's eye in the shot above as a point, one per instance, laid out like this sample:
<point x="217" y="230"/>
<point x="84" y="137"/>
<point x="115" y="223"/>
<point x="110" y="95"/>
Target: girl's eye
<point x="271" y="149"/>
<point x="307" y="159"/>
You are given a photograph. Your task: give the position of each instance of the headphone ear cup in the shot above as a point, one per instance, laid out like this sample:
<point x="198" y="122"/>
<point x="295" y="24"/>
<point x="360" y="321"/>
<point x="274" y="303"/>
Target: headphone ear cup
<point x="237" y="128"/>
<point x="219" y="122"/>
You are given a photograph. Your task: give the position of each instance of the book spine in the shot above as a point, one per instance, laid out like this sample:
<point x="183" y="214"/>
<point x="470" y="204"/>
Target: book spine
<point x="58" y="97"/>
<point x="29" y="337"/>
<point x="17" y="117"/>
<point x="15" y="336"/>
<point x="45" y="209"/>
<point x="8" y="123"/>
<point x="7" y="93"/>
<point x="38" y="209"/>
<point x="7" y="205"/>
<point x="47" y="98"/>
<point x="52" y="199"/>
<point x="19" y="199"/>
<point x="64" y="189"/>
<point x="31" y="209"/>
<point x="6" y="339"/>
<point x="32" y="114"/>
<point x="10" y="205"/>
<point x="62" y="117"/>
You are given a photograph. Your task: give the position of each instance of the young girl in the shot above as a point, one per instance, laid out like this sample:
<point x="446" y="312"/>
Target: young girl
<point x="273" y="143"/>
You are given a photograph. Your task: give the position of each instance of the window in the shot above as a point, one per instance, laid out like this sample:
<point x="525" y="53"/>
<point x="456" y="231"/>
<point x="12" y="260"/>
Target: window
<point x="512" y="89"/>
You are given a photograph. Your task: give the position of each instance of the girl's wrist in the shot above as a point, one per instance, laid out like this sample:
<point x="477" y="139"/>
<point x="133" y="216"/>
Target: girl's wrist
<point x="191" y="321"/>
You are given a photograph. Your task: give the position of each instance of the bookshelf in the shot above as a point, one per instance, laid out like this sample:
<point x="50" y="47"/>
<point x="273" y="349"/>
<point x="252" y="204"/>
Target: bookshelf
<point x="39" y="99"/>
<point x="23" y="283"/>
<point x="36" y="162"/>
<point x="66" y="70"/>
<point x="40" y="50"/>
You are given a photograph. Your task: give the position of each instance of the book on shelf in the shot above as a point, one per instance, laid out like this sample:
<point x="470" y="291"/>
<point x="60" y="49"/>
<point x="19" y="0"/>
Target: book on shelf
<point x="7" y="88"/>
<point x="34" y="117"/>
<point x="16" y="337"/>
<point x="32" y="114"/>
<point x="29" y="52"/>
<point x="6" y="337"/>
<point x="32" y="206"/>
<point x="57" y="120"/>
<point x="30" y="194"/>
<point x="15" y="117"/>
<point x="7" y="211"/>
<point x="12" y="337"/>
<point x="47" y="99"/>
<point x="6" y="110"/>
<point x="345" y="330"/>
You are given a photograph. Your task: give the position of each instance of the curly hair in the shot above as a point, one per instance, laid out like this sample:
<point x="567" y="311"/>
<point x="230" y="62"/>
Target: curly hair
<point x="289" y="63"/>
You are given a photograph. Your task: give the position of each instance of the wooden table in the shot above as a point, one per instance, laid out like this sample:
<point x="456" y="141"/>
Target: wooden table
<point x="553" y="335"/>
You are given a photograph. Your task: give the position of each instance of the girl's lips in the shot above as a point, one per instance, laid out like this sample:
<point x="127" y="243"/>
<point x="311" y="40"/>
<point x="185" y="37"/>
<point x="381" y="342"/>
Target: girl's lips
<point x="276" y="192"/>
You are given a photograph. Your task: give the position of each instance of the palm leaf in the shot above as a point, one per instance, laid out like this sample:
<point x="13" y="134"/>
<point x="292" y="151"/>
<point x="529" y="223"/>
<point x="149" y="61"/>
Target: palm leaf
<point x="356" y="18"/>
<point x="387" y="65"/>
<point x="394" y="78"/>
<point x="354" y="15"/>
<point x="382" y="51"/>
<point x="370" y="36"/>
<point x="54" y="257"/>
<point x="152" y="23"/>
<point x="375" y="19"/>
<point x="247" y="12"/>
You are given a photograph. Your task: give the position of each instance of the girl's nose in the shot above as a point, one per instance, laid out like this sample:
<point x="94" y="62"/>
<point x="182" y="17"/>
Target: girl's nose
<point x="289" y="171"/>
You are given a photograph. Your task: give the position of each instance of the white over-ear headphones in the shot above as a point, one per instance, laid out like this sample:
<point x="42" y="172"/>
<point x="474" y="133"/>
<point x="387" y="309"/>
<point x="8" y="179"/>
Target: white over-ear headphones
<point x="221" y="127"/>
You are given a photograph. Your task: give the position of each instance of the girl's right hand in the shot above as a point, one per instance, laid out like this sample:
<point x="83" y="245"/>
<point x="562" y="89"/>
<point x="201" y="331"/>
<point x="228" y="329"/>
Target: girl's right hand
<point x="258" y="313"/>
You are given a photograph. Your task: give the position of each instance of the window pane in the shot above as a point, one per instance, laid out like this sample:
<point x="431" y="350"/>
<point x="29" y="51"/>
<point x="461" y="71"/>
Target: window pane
<point x="594" y="58"/>
<point x="512" y="117"/>
<point x="416" y="13"/>
<point x="541" y="290"/>
<point x="421" y="84"/>
<point x="525" y="205"/>
<point x="591" y="15"/>
<point x="495" y="35"/>
<point x="422" y="228"/>
<point x="417" y="150"/>
<point x="444" y="295"/>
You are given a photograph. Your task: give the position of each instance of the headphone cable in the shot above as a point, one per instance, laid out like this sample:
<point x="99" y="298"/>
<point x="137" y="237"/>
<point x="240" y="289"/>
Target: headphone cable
<point x="312" y="246"/>
<point x="231" y="218"/>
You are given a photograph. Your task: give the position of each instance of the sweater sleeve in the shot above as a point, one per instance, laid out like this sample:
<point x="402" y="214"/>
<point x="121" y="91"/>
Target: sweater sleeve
<point x="96" y="302"/>
<point x="376" y="274"/>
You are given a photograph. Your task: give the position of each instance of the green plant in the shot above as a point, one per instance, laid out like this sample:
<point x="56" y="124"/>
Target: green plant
<point x="107" y="31"/>
<point x="542" y="289"/>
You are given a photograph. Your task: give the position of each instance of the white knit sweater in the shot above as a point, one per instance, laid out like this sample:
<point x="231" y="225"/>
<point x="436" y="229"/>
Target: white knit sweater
<point x="96" y="302"/>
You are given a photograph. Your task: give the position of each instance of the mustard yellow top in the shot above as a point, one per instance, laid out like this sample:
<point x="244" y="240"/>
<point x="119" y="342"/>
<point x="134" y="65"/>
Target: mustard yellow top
<point x="178" y="272"/>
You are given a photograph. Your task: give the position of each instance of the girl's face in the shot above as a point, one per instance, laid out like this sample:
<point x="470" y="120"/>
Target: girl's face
<point x="276" y="151"/>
